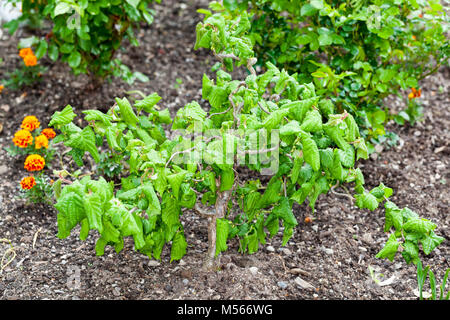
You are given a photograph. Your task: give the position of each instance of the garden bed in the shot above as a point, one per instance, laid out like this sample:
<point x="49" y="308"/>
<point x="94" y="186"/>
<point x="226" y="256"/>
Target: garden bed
<point x="329" y="258"/>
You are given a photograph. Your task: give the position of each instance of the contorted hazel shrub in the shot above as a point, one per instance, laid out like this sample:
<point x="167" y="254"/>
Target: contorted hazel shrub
<point x="297" y="144"/>
<point x="85" y="34"/>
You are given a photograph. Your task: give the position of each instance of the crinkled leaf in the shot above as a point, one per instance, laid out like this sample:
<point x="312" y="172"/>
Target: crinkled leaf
<point x="390" y="248"/>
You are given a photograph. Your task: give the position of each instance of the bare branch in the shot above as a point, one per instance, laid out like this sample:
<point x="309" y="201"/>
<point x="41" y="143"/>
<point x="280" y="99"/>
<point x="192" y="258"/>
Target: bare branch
<point x="179" y="152"/>
<point x="205" y="212"/>
<point x="341" y="194"/>
<point x="262" y="108"/>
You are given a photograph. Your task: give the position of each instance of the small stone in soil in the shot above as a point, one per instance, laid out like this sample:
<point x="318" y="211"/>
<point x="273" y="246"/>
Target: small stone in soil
<point x="302" y="283"/>
<point x="153" y="263"/>
<point x="283" y="285"/>
<point x="253" y="270"/>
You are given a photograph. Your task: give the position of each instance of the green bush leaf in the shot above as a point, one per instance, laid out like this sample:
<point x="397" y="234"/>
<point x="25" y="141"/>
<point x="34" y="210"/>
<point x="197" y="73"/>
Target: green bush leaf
<point x="390" y="248"/>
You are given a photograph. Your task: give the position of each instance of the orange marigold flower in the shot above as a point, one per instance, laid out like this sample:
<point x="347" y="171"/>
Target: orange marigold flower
<point x="23" y="138"/>
<point x="30" y="123"/>
<point x="30" y="60"/>
<point x="34" y="162"/>
<point x="25" y="52"/>
<point x="27" y="183"/>
<point x="49" y="133"/>
<point x="41" y="141"/>
<point x="414" y="37"/>
<point x="415" y="93"/>
<point x="1" y="88"/>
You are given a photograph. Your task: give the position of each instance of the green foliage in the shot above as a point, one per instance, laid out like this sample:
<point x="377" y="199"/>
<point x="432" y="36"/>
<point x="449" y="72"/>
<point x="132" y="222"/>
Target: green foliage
<point x="356" y="53"/>
<point x="270" y="123"/>
<point x="422" y="275"/>
<point x="85" y="34"/>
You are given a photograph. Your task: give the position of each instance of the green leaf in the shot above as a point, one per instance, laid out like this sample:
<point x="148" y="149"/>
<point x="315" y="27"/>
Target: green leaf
<point x="179" y="246"/>
<point x="312" y="121"/>
<point x="301" y="194"/>
<point x="347" y="157"/>
<point x="310" y="151"/>
<point x="410" y="252"/>
<point x="93" y="209"/>
<point x="390" y="249"/>
<point x="253" y="243"/>
<point x="53" y="52"/>
<point x="42" y="49"/>
<point x="394" y="217"/>
<point x="110" y="134"/>
<point x="326" y="158"/>
<point x="126" y="111"/>
<point x="154" y="207"/>
<point x="170" y="210"/>
<point x="71" y="212"/>
<point x="272" y="193"/>
<point x="193" y="111"/>
<point x="62" y="8"/>
<point x="222" y="230"/>
<point x="318" y="4"/>
<point x="272" y="224"/>
<point x="308" y="10"/>
<point x="175" y="181"/>
<point x="96" y="115"/>
<point x="148" y="102"/>
<point x="227" y="180"/>
<point x="366" y="201"/>
<point x="430" y="242"/>
<point x="381" y="192"/>
<point x="85" y="140"/>
<point x="133" y="3"/>
<point x="274" y="119"/>
<point x="74" y="59"/>
<point x="292" y="127"/>
<point x="361" y="149"/>
<point x="132" y="226"/>
<point x="419" y="225"/>
<point x="61" y="118"/>
<point x="84" y="231"/>
<point x="287" y="234"/>
<point x="284" y="212"/>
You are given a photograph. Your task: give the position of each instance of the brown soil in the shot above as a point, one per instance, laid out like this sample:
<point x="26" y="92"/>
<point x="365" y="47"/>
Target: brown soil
<point x="332" y="254"/>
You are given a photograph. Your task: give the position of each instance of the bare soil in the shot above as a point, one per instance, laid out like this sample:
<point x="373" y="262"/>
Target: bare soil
<point x="327" y="259"/>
